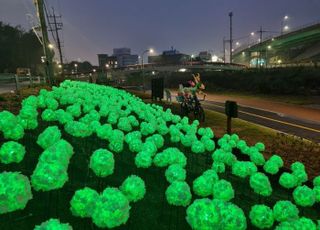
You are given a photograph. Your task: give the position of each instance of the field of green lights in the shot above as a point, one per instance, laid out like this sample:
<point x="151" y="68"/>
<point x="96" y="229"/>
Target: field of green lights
<point x="84" y="156"/>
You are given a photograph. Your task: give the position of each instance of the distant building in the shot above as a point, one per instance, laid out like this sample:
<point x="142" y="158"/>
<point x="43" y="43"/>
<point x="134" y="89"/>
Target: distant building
<point x="169" y="57"/>
<point x="124" y="57"/>
<point x="112" y="62"/>
<point x="102" y="60"/>
<point x="121" y="57"/>
<point x="205" y="56"/>
<point x="121" y="51"/>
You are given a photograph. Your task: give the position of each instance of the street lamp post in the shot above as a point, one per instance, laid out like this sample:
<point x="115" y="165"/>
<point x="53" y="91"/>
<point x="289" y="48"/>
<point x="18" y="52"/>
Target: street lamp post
<point x="192" y="56"/>
<point x="284" y="27"/>
<point x="76" y="69"/>
<point x="142" y="66"/>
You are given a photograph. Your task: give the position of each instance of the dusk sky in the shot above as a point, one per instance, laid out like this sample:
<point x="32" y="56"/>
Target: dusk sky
<point x="190" y="26"/>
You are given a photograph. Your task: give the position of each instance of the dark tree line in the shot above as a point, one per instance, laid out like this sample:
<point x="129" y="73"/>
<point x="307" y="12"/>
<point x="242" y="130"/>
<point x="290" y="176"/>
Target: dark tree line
<point x="19" y="48"/>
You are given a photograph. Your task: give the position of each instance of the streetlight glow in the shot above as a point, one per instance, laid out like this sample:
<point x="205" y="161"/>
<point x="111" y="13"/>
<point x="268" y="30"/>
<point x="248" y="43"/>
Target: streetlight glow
<point x="286" y="28"/>
<point x="151" y="51"/>
<point x="237" y="43"/>
<point x="286" y="17"/>
<point x="269" y="47"/>
<point x="50" y="46"/>
<point x="76" y="65"/>
<point x="252" y="33"/>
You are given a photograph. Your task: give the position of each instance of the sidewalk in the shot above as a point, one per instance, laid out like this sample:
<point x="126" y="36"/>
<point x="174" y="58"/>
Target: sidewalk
<point x="284" y="109"/>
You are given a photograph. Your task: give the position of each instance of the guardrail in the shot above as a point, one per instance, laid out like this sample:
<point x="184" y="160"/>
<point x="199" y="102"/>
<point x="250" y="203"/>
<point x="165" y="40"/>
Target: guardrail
<point x="12" y="82"/>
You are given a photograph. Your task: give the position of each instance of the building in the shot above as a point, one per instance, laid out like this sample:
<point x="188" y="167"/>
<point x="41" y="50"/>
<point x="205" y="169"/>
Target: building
<point x="124" y="57"/>
<point x="205" y="56"/>
<point x="102" y="58"/>
<point x="169" y="57"/>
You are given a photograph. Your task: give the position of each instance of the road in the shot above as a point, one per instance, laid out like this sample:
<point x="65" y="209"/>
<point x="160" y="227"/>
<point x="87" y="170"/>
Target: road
<point x="299" y="127"/>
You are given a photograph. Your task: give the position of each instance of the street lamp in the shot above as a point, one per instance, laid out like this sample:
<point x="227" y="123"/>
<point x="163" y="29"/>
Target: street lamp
<point x="284" y="28"/>
<point x="76" y="69"/>
<point x="142" y="66"/>
<point x="192" y="56"/>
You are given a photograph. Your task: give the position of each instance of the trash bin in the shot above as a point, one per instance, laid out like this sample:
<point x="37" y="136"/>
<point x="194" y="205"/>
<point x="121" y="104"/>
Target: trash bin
<point x="157" y="88"/>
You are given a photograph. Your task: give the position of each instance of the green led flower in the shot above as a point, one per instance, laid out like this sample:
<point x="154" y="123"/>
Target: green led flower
<point x="232" y="217"/>
<point x="179" y="194"/>
<point x="53" y="224"/>
<point x="301" y="176"/>
<point x="112" y="209"/>
<point x="316" y="181"/>
<point x="219" y="167"/>
<point x="260" y="183"/>
<point x="198" y="147"/>
<point x="316" y="191"/>
<point x="297" y="166"/>
<point x="203" y="185"/>
<point x="15" y="192"/>
<point x="49" y="137"/>
<point x="143" y="159"/>
<point x="285" y="211"/>
<point x="203" y="214"/>
<point x="102" y="163"/>
<point x="49" y="115"/>
<point x="273" y="165"/>
<point x="288" y="180"/>
<point x="244" y="169"/>
<point x="104" y="131"/>
<point x="47" y="177"/>
<point x="135" y="145"/>
<point x="222" y="190"/>
<point x="261" y="216"/>
<point x="304" y="196"/>
<point x="11" y="152"/>
<point x="83" y="202"/>
<point x="257" y="157"/>
<point x="175" y="172"/>
<point x="133" y="188"/>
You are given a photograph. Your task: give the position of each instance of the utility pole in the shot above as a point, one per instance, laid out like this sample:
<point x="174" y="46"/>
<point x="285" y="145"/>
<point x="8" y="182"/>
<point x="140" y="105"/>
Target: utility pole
<point x="224" y="49"/>
<point x="57" y="27"/>
<point x="231" y="41"/>
<point x="45" y="41"/>
<point x="261" y="31"/>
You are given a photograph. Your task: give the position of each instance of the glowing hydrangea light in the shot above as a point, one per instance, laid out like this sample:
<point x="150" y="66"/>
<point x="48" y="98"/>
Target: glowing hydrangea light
<point x="179" y="194"/>
<point x="78" y="129"/>
<point x="260" y="183"/>
<point x="316" y="191"/>
<point x="297" y="166"/>
<point x="53" y="224"/>
<point x="170" y="156"/>
<point x="143" y="159"/>
<point x="316" y="181"/>
<point x="15" y="191"/>
<point x="133" y="188"/>
<point x="244" y="169"/>
<point x="102" y="162"/>
<point x="112" y="209"/>
<point x="48" y="115"/>
<point x="304" y="196"/>
<point x="288" y="180"/>
<point x="222" y="190"/>
<point x="135" y="145"/>
<point x="175" y="173"/>
<point x="219" y="167"/>
<point x="83" y="202"/>
<point x="203" y="185"/>
<point x="215" y="214"/>
<point x="48" y="176"/>
<point x="203" y="214"/>
<point x="285" y="211"/>
<point x="104" y="131"/>
<point x="12" y="152"/>
<point x="301" y="176"/>
<point x="232" y="217"/>
<point x="198" y="147"/>
<point x="257" y="157"/>
<point x="49" y="136"/>
<point x="261" y="216"/>
<point x="273" y="165"/>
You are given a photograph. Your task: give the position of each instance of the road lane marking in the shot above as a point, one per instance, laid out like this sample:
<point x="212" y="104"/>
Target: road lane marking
<point x="271" y="119"/>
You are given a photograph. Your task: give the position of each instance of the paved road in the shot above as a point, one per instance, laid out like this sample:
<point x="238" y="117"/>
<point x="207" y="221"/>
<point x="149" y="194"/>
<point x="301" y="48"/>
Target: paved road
<point x="281" y="122"/>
